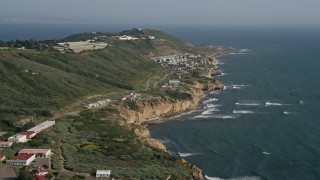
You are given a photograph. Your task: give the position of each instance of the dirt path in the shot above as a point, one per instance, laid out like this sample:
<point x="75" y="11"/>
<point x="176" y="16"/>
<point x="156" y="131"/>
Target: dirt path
<point x="62" y="160"/>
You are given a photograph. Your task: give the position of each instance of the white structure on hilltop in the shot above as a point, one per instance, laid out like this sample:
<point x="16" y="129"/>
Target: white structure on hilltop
<point x="103" y="173"/>
<point x="42" y="126"/>
<point x="18" y="138"/>
<point x="125" y="37"/>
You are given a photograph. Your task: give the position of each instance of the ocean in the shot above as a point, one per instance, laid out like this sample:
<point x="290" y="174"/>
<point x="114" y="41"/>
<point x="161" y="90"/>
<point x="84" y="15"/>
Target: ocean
<point x="264" y="125"/>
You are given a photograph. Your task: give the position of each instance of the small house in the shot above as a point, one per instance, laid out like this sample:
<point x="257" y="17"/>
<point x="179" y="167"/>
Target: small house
<point x="4" y="144"/>
<point x="174" y="83"/>
<point x="18" y="138"/>
<point x="103" y="173"/>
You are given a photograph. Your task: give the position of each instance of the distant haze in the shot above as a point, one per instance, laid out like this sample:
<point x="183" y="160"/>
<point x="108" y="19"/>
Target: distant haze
<point x="210" y="12"/>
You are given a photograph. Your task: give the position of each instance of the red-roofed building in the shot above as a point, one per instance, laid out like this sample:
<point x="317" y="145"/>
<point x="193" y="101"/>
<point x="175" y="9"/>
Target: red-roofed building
<point x="2" y="157"/>
<point x="21" y="159"/>
<point x="41" y="171"/>
<point x="37" y="152"/>
<point x="4" y="144"/>
<point x="29" y="134"/>
<point x="36" y="177"/>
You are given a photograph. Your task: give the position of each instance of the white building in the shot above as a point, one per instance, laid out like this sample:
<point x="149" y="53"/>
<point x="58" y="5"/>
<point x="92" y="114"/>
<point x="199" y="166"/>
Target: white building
<point x="18" y="138"/>
<point x="21" y="159"/>
<point x="174" y="83"/>
<point x="2" y="158"/>
<point x="4" y="144"/>
<point x="42" y="126"/>
<point x="152" y="37"/>
<point x="103" y="173"/>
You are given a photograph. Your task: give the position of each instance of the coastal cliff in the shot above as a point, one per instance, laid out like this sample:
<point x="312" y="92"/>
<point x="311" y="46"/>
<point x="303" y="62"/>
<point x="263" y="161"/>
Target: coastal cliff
<point x="143" y="112"/>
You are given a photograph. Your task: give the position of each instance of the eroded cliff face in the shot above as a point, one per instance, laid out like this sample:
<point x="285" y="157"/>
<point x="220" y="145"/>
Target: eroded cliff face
<point x="164" y="107"/>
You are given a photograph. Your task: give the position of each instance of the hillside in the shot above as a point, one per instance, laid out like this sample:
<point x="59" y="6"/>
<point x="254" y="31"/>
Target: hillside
<point x="41" y="85"/>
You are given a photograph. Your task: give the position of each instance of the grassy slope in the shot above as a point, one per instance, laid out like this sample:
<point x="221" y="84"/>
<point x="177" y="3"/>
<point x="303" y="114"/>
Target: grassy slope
<point x="61" y="78"/>
<point x="94" y="140"/>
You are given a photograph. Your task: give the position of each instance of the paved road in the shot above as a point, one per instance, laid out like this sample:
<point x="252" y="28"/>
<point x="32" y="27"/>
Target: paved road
<point x="7" y="173"/>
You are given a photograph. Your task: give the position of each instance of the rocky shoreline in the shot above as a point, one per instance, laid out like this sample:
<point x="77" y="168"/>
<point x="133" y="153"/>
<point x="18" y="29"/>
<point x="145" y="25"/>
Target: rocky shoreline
<point x="147" y="112"/>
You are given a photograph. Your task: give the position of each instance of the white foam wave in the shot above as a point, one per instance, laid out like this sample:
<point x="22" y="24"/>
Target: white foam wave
<point x="210" y="111"/>
<point x="275" y="104"/>
<point x="243" y="112"/>
<point x="213" y="105"/>
<point x="240" y="85"/>
<point x="224" y="117"/>
<point x="201" y="117"/>
<point x="210" y="100"/>
<point x="244" y="50"/>
<point x="266" y="153"/>
<point x="235" y="178"/>
<point x="248" y="104"/>
<point x="188" y="154"/>
<point x="207" y="112"/>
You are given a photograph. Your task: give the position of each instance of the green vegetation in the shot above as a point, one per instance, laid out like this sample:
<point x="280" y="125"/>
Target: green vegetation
<point x="40" y="83"/>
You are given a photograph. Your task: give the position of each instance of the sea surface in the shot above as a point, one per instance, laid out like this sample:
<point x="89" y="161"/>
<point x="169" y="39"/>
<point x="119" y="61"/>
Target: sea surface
<point x="264" y="125"/>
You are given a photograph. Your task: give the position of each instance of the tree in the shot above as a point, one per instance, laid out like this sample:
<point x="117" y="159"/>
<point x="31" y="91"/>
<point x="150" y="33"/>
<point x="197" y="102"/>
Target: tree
<point x="24" y="175"/>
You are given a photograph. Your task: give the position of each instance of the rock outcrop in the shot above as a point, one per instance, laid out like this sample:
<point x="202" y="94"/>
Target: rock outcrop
<point x="164" y="107"/>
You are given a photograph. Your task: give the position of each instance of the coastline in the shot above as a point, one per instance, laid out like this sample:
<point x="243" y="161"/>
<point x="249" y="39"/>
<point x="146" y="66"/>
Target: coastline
<point x="146" y="114"/>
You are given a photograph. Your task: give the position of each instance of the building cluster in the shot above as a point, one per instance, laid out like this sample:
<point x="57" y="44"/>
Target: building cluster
<point x="170" y="59"/>
<point x="125" y="37"/>
<point x="26" y="157"/>
<point x="130" y="38"/>
<point x="27" y="135"/>
<point x="97" y="104"/>
<point x="171" y="84"/>
<point x="132" y="96"/>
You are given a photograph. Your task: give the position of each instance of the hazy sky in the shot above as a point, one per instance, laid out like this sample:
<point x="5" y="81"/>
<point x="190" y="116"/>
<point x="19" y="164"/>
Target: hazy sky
<point x="162" y="11"/>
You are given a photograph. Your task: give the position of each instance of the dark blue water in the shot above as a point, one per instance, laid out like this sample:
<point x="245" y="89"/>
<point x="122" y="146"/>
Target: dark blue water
<point x="265" y="124"/>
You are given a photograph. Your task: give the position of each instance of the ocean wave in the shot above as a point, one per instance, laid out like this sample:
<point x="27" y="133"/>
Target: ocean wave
<point x="201" y="117"/>
<point x="210" y="111"/>
<point x="235" y="178"/>
<point x="266" y="153"/>
<point x="275" y="104"/>
<point x="238" y="86"/>
<point x="248" y="104"/>
<point x="210" y="105"/>
<point x="207" y="112"/>
<point x="243" y="112"/>
<point x="210" y="100"/>
<point x="224" y="117"/>
<point x="188" y="154"/>
<point x="244" y="50"/>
